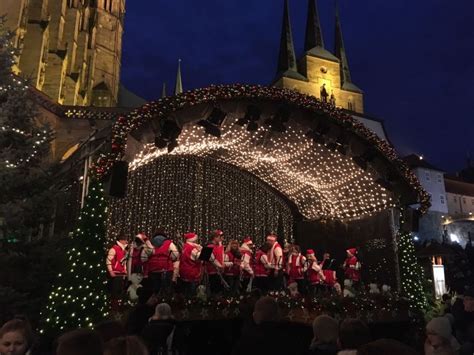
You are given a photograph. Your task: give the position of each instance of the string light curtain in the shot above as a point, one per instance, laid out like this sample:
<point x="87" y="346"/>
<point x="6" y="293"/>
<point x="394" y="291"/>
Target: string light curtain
<point x="190" y="193"/>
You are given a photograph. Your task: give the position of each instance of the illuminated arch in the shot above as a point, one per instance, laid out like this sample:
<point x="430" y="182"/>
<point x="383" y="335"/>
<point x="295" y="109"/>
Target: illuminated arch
<point x="320" y="179"/>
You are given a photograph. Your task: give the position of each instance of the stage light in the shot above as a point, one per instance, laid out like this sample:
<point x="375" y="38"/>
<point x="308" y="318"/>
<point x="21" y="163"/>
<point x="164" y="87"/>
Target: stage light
<point x="212" y="123"/>
<point x="169" y="133"/>
<point x="278" y="120"/>
<point x="366" y="157"/>
<point x="384" y="183"/>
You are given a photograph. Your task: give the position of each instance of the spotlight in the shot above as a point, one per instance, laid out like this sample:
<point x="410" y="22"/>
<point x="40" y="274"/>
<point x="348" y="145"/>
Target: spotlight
<point x="278" y="120"/>
<point x="213" y="122"/>
<point x="366" y="157"/>
<point x="384" y="183"/>
<point x="169" y="133"/>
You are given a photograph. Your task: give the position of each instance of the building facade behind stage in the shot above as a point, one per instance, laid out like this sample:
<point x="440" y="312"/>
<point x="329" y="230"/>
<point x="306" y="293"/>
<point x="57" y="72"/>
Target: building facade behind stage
<point x="70" y="49"/>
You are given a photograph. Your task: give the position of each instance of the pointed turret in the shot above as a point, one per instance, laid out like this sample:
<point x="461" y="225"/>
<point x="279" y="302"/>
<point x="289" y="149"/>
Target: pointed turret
<point x="314" y="40"/>
<point x="340" y="51"/>
<point x="314" y="34"/>
<point x="179" y="84"/>
<point x="163" y="91"/>
<point x="287" y="59"/>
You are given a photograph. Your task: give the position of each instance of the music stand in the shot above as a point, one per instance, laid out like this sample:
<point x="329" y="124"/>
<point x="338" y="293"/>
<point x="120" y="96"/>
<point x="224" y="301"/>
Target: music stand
<point x="206" y="253"/>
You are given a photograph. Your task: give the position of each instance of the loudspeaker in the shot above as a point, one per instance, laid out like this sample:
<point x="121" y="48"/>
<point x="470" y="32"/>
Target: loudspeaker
<point x="412" y="220"/>
<point x="118" y="179"/>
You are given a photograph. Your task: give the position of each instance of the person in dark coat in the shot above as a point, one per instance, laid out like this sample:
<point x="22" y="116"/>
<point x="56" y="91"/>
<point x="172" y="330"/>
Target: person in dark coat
<point x="158" y="333"/>
<point x="267" y="335"/>
<point x="325" y="334"/>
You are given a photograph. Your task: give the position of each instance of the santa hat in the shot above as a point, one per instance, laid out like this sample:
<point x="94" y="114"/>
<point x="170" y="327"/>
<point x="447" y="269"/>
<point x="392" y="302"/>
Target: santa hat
<point x="352" y="251"/>
<point x="247" y="240"/>
<point x="217" y="233"/>
<point x="190" y="237"/>
<point x="310" y="252"/>
<point x="272" y="237"/>
<point x="142" y="237"/>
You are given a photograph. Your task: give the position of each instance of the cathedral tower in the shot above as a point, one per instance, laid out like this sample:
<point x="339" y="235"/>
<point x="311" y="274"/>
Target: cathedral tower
<point x="318" y="72"/>
<point x="69" y="49"/>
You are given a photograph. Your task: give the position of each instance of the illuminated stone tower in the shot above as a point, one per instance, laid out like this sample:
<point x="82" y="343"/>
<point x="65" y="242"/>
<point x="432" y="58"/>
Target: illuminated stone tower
<point x="69" y="49"/>
<point x="318" y="72"/>
<point x="107" y="31"/>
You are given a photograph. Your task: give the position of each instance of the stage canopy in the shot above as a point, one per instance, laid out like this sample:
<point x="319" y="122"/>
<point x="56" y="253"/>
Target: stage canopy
<point x="326" y="164"/>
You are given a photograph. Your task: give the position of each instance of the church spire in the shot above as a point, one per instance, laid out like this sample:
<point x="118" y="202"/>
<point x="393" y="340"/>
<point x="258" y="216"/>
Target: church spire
<point x="163" y="91"/>
<point x="314" y="35"/>
<point x="340" y="51"/>
<point x="287" y="58"/>
<point x="179" y="84"/>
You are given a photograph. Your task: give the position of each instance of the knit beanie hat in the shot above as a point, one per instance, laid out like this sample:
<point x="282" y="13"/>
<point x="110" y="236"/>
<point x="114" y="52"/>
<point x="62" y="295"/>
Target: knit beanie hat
<point x="440" y="326"/>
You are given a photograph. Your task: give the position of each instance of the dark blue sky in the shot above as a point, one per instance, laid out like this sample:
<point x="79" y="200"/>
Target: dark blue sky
<point x="413" y="58"/>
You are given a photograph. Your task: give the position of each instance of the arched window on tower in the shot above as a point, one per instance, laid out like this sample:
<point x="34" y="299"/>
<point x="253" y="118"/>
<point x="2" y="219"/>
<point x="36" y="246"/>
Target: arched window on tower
<point x="350" y="104"/>
<point x="106" y="3"/>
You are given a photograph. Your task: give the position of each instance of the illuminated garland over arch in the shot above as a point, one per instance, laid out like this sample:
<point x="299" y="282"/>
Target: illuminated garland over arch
<point x="163" y="108"/>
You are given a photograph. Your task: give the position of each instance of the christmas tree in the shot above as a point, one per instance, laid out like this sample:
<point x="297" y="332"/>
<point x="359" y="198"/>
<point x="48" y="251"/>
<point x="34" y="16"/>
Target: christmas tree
<point x="26" y="194"/>
<point x="79" y="297"/>
<point x="411" y="272"/>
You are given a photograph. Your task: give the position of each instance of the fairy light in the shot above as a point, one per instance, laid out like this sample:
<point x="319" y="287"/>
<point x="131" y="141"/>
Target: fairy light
<point x="79" y="297"/>
<point x="208" y="196"/>
<point x="351" y="202"/>
<point x="322" y="183"/>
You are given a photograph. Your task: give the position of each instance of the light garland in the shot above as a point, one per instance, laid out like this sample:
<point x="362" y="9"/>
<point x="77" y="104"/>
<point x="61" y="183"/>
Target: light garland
<point x="322" y="183"/>
<point x="79" y="299"/>
<point x="210" y="195"/>
<point x="166" y="106"/>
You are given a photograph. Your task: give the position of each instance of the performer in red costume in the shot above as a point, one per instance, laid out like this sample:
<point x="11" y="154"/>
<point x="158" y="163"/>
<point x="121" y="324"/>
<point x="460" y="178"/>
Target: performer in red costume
<point x="215" y="266"/>
<point x="117" y="270"/>
<point x="246" y="265"/>
<point x="135" y="264"/>
<point x="190" y="265"/>
<point x="162" y="261"/>
<point x="328" y="265"/>
<point x="262" y="268"/>
<point x="233" y="259"/>
<point x="275" y="258"/>
<point x="352" y="266"/>
<point x="314" y="272"/>
<point x="295" y="268"/>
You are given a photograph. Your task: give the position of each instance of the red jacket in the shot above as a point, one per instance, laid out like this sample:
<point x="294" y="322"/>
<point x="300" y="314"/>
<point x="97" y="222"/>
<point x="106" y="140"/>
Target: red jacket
<point x="350" y="266"/>
<point x="233" y="270"/>
<point x="252" y="261"/>
<point x="118" y="262"/>
<point x="160" y="260"/>
<point x="260" y="269"/>
<point x="218" y="252"/>
<point x="137" y="265"/>
<point x="189" y="269"/>
<point x="313" y="276"/>
<point x="295" y="267"/>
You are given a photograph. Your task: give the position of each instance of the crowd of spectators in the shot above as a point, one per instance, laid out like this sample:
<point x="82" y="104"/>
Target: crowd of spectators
<point x="151" y="329"/>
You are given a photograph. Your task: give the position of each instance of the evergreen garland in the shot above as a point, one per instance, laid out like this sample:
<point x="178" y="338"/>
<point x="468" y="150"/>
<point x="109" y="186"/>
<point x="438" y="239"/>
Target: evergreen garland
<point x="79" y="298"/>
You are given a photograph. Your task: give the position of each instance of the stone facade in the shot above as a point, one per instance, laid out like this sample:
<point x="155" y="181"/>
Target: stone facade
<point x="319" y="72"/>
<point x="69" y="49"/>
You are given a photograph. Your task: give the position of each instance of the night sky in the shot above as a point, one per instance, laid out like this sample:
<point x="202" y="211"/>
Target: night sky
<point x="413" y="58"/>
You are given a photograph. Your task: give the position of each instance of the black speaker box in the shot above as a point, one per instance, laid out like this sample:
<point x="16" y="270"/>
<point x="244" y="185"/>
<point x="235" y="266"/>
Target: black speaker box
<point x="118" y="179"/>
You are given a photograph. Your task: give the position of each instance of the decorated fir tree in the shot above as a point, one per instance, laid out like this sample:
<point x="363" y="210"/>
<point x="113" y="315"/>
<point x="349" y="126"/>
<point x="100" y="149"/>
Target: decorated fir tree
<point x="79" y="297"/>
<point x="26" y="194"/>
<point x="411" y="273"/>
